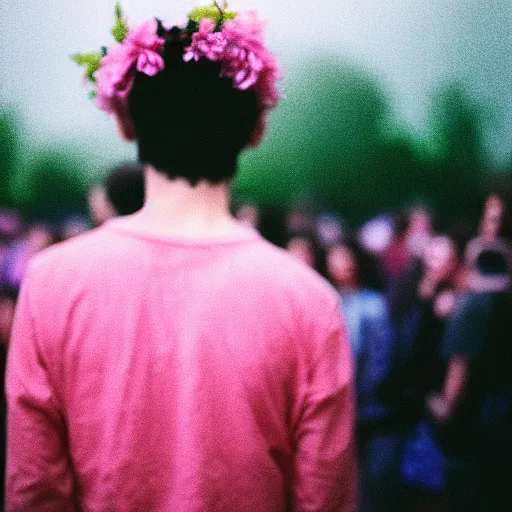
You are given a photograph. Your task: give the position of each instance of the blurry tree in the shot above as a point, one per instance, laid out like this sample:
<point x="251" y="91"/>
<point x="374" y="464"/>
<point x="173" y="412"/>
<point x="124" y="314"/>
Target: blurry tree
<point x="404" y="174"/>
<point x="323" y="137"/>
<point x="9" y="152"/>
<point x="52" y="186"/>
<point x="331" y="137"/>
<point x="462" y="162"/>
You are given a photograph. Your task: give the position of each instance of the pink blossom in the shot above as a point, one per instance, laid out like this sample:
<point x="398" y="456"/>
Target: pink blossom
<point x="144" y="36"/>
<point x="242" y="52"/>
<point x="247" y="24"/>
<point x="239" y="47"/>
<point x="114" y="77"/>
<point x="206" y="43"/>
<point x="150" y="63"/>
<point x="147" y="46"/>
<point x="141" y="50"/>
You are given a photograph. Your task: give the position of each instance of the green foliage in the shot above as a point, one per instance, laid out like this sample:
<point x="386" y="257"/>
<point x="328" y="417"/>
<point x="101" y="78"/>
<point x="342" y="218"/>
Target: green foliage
<point x="9" y="153"/>
<point x="91" y="62"/>
<point x="118" y="10"/>
<point x="323" y="138"/>
<point x="229" y="15"/>
<point x="53" y="185"/>
<point x="200" y="13"/>
<point x="214" y="12"/>
<point x="457" y="125"/>
<point x="333" y="137"/>
<point x="120" y="28"/>
<point x="461" y="160"/>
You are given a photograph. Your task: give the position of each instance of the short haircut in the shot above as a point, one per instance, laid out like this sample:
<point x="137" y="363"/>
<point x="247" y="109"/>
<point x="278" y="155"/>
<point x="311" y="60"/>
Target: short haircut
<point x="189" y="121"/>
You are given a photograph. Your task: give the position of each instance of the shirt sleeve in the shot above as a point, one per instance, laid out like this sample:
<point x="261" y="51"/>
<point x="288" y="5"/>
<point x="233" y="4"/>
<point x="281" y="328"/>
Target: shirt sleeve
<point x="38" y="468"/>
<point x="325" y="468"/>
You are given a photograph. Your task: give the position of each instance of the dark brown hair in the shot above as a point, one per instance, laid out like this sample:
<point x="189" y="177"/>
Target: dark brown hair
<point x="189" y="121"/>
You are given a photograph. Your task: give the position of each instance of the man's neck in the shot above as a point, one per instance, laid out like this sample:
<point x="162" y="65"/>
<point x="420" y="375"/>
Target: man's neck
<point x="176" y="208"/>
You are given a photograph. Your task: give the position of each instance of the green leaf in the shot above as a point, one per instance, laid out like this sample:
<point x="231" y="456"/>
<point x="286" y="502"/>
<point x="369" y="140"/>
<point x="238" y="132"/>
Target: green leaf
<point x="83" y="59"/>
<point x="119" y="31"/>
<point x="213" y="12"/>
<point x="200" y="13"/>
<point x="91" y="62"/>
<point x="120" y="28"/>
<point x="229" y="15"/>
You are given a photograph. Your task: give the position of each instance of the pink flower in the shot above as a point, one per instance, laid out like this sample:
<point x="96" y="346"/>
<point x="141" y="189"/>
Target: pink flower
<point x="150" y="63"/>
<point x="242" y="52"/>
<point x="141" y="50"/>
<point x="239" y="47"/>
<point x="206" y="43"/>
<point x="247" y="24"/>
<point x="147" y="46"/>
<point x="115" y="77"/>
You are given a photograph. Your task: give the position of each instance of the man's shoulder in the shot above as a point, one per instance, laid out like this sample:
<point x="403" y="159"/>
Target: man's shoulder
<point x="254" y="263"/>
<point x="275" y="267"/>
<point x="71" y="256"/>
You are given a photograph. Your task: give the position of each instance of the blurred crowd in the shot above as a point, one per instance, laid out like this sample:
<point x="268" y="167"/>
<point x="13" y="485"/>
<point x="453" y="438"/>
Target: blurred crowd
<point x="429" y="317"/>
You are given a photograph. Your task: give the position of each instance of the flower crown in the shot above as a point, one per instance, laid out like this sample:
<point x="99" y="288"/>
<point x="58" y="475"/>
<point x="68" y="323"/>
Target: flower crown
<point x="212" y="32"/>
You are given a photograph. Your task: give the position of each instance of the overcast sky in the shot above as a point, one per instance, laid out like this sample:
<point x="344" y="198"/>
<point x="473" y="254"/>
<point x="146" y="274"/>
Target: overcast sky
<point x="412" y="46"/>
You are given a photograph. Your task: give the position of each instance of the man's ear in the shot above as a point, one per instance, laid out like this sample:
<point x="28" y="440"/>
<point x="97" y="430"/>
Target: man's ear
<point x="125" y="126"/>
<point x="259" y="130"/>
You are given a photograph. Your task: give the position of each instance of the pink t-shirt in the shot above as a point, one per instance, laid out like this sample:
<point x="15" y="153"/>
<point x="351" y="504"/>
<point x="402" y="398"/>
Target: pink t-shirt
<point x="150" y="373"/>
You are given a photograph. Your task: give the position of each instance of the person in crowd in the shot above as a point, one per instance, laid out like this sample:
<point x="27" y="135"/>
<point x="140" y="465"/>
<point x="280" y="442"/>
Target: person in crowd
<point x="121" y="193"/>
<point x="16" y="259"/>
<point x="124" y="188"/>
<point x="359" y="280"/>
<point x="10" y="229"/>
<point x="492" y="230"/>
<point x="413" y="231"/>
<point x="427" y="286"/>
<point x="248" y="214"/>
<point x="300" y="219"/>
<point x="419" y="230"/>
<point x="299" y="231"/>
<point x="419" y="315"/>
<point x="100" y="208"/>
<point x="176" y="360"/>
<point x="396" y="259"/>
<point x="302" y="248"/>
<point x="375" y="235"/>
<point x="495" y="219"/>
<point x="474" y="405"/>
<point x="72" y="226"/>
<point x="329" y="230"/>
